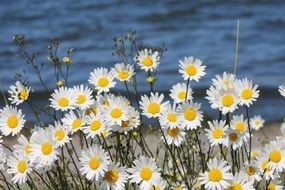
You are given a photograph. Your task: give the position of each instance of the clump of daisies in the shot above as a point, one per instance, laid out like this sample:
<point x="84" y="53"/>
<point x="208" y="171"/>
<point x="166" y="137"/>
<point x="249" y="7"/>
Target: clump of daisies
<point x="90" y="136"/>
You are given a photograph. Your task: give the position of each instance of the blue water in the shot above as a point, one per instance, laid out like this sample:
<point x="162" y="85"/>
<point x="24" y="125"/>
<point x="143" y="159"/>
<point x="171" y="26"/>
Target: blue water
<point x="203" y="29"/>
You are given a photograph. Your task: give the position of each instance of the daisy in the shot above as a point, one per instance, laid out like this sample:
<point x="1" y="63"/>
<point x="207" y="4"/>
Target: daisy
<point x="275" y="185"/>
<point x="102" y="79"/>
<point x="11" y="120"/>
<point x="240" y="181"/>
<point x="275" y="152"/>
<point x="44" y="148"/>
<point x="147" y="60"/>
<point x="179" y="186"/>
<point x="18" y="93"/>
<point x="212" y="97"/>
<point x="250" y="171"/>
<point x="168" y="118"/>
<point x="95" y="125"/>
<point x="174" y="135"/>
<point x="152" y="107"/>
<point x="191" y="68"/>
<point x="235" y="139"/>
<point x="144" y="172"/>
<point x="94" y="163"/>
<point x="123" y="72"/>
<point x="256" y="122"/>
<point x="23" y="146"/>
<point x="60" y="133"/>
<point x="263" y="168"/>
<point x="217" y="132"/>
<point x="63" y="99"/>
<point x="240" y="125"/>
<point x="218" y="175"/>
<point x="19" y="167"/>
<point x="281" y="89"/>
<point x="178" y="92"/>
<point x="83" y="96"/>
<point x="132" y="122"/>
<point x="159" y="184"/>
<point x="248" y="92"/>
<point x="255" y="152"/>
<point x="103" y="100"/>
<point x="115" y="177"/>
<point x="226" y="81"/>
<point x="189" y="115"/>
<point x="74" y="121"/>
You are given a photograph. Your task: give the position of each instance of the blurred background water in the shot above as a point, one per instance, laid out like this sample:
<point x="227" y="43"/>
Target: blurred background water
<point x="203" y="29"/>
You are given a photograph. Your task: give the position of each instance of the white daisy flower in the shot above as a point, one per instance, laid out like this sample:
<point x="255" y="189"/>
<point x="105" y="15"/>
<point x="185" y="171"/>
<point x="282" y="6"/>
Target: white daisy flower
<point x="178" y="92"/>
<point x="102" y="79"/>
<point x="23" y="146"/>
<point x="218" y="175"/>
<point x="255" y="152"/>
<point x="95" y="125"/>
<point x="19" y="166"/>
<point x="191" y="68"/>
<point x="74" y="121"/>
<point x="226" y="81"/>
<point x="144" y="172"/>
<point x="123" y="72"/>
<point x="153" y="106"/>
<point x="132" y="122"/>
<point x="174" y="135"/>
<point x="275" y="185"/>
<point x="147" y="60"/>
<point x="263" y="167"/>
<point x="217" y="132"/>
<point x="275" y="152"/>
<point x="157" y="184"/>
<point x="248" y="92"/>
<point x="240" y="181"/>
<point x="115" y="178"/>
<point x="180" y="186"/>
<point x="168" y="118"/>
<point x="189" y="115"/>
<point x="239" y="124"/>
<point x="84" y="98"/>
<point x="94" y="162"/>
<point x="103" y="100"/>
<point x="227" y="100"/>
<point x="11" y="120"/>
<point x="212" y="97"/>
<point x="234" y="140"/>
<point x="281" y="90"/>
<point x="18" y="93"/>
<point x="250" y="171"/>
<point x="63" y="99"/>
<point x="60" y="133"/>
<point x="44" y="148"/>
<point x="256" y="122"/>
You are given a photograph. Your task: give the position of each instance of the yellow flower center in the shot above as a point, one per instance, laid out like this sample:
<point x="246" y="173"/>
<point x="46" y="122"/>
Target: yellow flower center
<point x="59" y="134"/>
<point x="217" y="133"/>
<point x="27" y="149"/>
<point x="226" y="82"/>
<point x="233" y="137"/>
<point x="227" y="100"/>
<point x="76" y="123"/>
<point x="103" y="82"/>
<point x="12" y="121"/>
<point x="23" y="94"/>
<point x="264" y="166"/>
<point x="254" y="153"/>
<point x="246" y="94"/>
<point x="240" y="127"/>
<point x="153" y="108"/>
<point x="171" y="117"/>
<point x="148" y="62"/>
<point x="215" y="175"/>
<point x="236" y="186"/>
<point x="81" y="99"/>
<point x="190" y="114"/>
<point x="154" y="187"/>
<point x="95" y="125"/>
<point x="66" y="59"/>
<point x="271" y="186"/>
<point x="179" y="187"/>
<point x="63" y="102"/>
<point x="123" y="74"/>
<point x="116" y="113"/>
<point x="250" y="170"/>
<point x="22" y="166"/>
<point x="91" y="110"/>
<point x="181" y="95"/>
<point x="46" y="148"/>
<point x="191" y="70"/>
<point x="94" y="163"/>
<point x="173" y="132"/>
<point x="275" y="156"/>
<point x="257" y="122"/>
<point x="146" y="173"/>
<point x="125" y="123"/>
<point x="112" y="176"/>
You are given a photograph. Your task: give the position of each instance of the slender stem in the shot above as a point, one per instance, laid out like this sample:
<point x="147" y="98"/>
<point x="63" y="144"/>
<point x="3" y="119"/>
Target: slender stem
<point x="7" y="183"/>
<point x="249" y="130"/>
